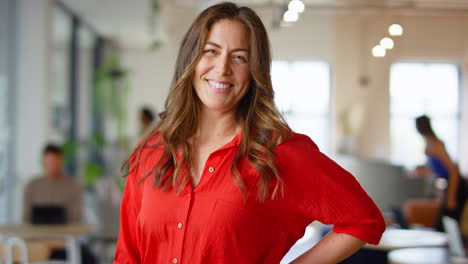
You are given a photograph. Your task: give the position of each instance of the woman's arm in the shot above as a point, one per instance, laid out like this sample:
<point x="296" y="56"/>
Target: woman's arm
<point x="320" y="190"/>
<point x="441" y="153"/>
<point x="331" y="249"/>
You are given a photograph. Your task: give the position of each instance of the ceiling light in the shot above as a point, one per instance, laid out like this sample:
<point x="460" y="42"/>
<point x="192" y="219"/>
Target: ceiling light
<point x="378" y="51"/>
<point x="395" y="30"/>
<point x="387" y="43"/>
<point x="290" y="16"/>
<point x="296" y="6"/>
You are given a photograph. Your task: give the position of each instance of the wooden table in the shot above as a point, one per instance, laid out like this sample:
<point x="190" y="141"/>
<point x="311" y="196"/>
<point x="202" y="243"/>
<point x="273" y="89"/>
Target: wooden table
<point x="427" y="255"/>
<point x="67" y="233"/>
<point x="396" y="239"/>
<point x="409" y="238"/>
<point x="35" y="231"/>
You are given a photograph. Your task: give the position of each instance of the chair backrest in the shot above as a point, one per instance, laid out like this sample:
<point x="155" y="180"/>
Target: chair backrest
<point x="9" y="244"/>
<point x="454" y="237"/>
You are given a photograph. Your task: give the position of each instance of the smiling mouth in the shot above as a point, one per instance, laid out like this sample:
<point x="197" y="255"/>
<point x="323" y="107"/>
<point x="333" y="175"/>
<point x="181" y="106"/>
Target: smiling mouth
<point x="219" y="85"/>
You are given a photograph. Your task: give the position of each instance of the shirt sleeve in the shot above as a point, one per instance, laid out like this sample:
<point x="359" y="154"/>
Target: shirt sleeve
<point x="127" y="250"/>
<point x="324" y="191"/>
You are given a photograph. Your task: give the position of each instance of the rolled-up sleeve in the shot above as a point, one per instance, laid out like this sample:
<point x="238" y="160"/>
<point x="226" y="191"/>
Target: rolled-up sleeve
<point x="346" y="205"/>
<point x="324" y="191"/>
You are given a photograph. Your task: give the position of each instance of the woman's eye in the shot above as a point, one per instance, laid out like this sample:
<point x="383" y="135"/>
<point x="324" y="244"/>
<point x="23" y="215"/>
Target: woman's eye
<point x="239" y="59"/>
<point x="212" y="51"/>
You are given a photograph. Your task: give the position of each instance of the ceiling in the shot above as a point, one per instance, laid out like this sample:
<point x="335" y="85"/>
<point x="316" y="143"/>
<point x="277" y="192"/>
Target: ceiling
<point x="129" y="22"/>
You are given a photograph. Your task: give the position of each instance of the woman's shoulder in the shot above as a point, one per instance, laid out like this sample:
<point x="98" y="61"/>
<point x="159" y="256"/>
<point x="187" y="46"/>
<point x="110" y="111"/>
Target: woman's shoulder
<point x="149" y="147"/>
<point x="298" y="142"/>
<point x="152" y="139"/>
<point x="435" y="147"/>
<point x="296" y="148"/>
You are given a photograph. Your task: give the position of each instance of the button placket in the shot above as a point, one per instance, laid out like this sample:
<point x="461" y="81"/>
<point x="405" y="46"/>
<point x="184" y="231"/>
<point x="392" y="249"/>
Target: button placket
<point x="181" y="227"/>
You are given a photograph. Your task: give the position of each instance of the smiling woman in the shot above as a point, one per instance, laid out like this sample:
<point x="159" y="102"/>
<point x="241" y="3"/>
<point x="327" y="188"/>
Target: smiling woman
<point x="222" y="178"/>
<point x="222" y="75"/>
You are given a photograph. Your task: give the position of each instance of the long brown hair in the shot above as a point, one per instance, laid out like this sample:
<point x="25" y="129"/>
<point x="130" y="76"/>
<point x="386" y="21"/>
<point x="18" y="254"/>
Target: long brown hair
<point x="263" y="128"/>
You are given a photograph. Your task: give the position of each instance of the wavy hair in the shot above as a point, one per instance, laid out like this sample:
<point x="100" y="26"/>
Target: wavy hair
<point x="263" y="127"/>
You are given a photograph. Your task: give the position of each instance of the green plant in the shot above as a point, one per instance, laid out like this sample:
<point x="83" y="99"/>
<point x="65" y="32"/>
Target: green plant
<point x="110" y="92"/>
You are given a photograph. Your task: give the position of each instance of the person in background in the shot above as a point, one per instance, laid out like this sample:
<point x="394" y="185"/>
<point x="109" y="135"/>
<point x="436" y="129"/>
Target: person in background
<point x="146" y="120"/>
<point x="55" y="188"/>
<point x="441" y="166"/>
<point x="222" y="178"/>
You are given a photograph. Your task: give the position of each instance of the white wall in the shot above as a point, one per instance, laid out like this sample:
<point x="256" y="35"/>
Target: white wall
<point x="311" y="38"/>
<point x="151" y="70"/>
<point x="32" y="93"/>
<point x="150" y="77"/>
<point x="32" y="113"/>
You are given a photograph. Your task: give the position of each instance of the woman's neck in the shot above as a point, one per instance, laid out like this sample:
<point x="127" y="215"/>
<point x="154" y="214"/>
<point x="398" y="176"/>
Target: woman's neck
<point x="217" y="124"/>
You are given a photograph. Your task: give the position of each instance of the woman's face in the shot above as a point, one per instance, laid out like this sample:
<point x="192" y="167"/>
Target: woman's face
<point x="222" y="74"/>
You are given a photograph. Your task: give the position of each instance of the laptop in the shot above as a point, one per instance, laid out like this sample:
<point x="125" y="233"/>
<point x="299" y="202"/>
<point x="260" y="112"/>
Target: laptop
<point x="48" y="215"/>
<point x="457" y="252"/>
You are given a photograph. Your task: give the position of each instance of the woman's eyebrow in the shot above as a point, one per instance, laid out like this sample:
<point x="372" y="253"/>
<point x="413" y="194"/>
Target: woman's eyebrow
<point x="219" y="46"/>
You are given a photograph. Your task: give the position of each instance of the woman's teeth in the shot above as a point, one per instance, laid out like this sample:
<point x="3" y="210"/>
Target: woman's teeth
<point x="219" y="85"/>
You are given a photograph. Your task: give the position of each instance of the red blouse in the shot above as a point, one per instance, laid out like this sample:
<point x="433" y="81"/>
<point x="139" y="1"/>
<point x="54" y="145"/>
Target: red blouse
<point x="211" y="223"/>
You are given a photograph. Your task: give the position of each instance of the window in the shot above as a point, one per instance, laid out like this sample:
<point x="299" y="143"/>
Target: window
<point x="302" y="95"/>
<point x="60" y="75"/>
<point x="9" y="27"/>
<point x="423" y="88"/>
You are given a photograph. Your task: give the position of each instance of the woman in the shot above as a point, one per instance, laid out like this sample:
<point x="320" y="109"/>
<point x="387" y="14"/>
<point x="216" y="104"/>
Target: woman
<point x="222" y="178"/>
<point x="440" y="164"/>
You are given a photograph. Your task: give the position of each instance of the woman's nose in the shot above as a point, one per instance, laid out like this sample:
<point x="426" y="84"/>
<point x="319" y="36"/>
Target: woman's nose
<point x="223" y="65"/>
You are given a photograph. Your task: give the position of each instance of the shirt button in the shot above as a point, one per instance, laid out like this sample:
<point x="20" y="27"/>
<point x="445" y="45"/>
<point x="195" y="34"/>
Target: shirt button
<point x="179" y="225"/>
<point x="211" y="169"/>
<point x="174" y="260"/>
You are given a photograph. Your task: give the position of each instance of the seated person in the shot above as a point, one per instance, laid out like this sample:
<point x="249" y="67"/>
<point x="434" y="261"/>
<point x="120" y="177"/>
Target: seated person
<point x="53" y="189"/>
<point x="57" y="194"/>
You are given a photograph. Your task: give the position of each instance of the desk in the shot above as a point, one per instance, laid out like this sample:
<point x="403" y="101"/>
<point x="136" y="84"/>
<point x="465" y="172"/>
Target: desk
<point x="69" y="233"/>
<point x="395" y="239"/>
<point x="428" y="255"/>
<point x="408" y="238"/>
